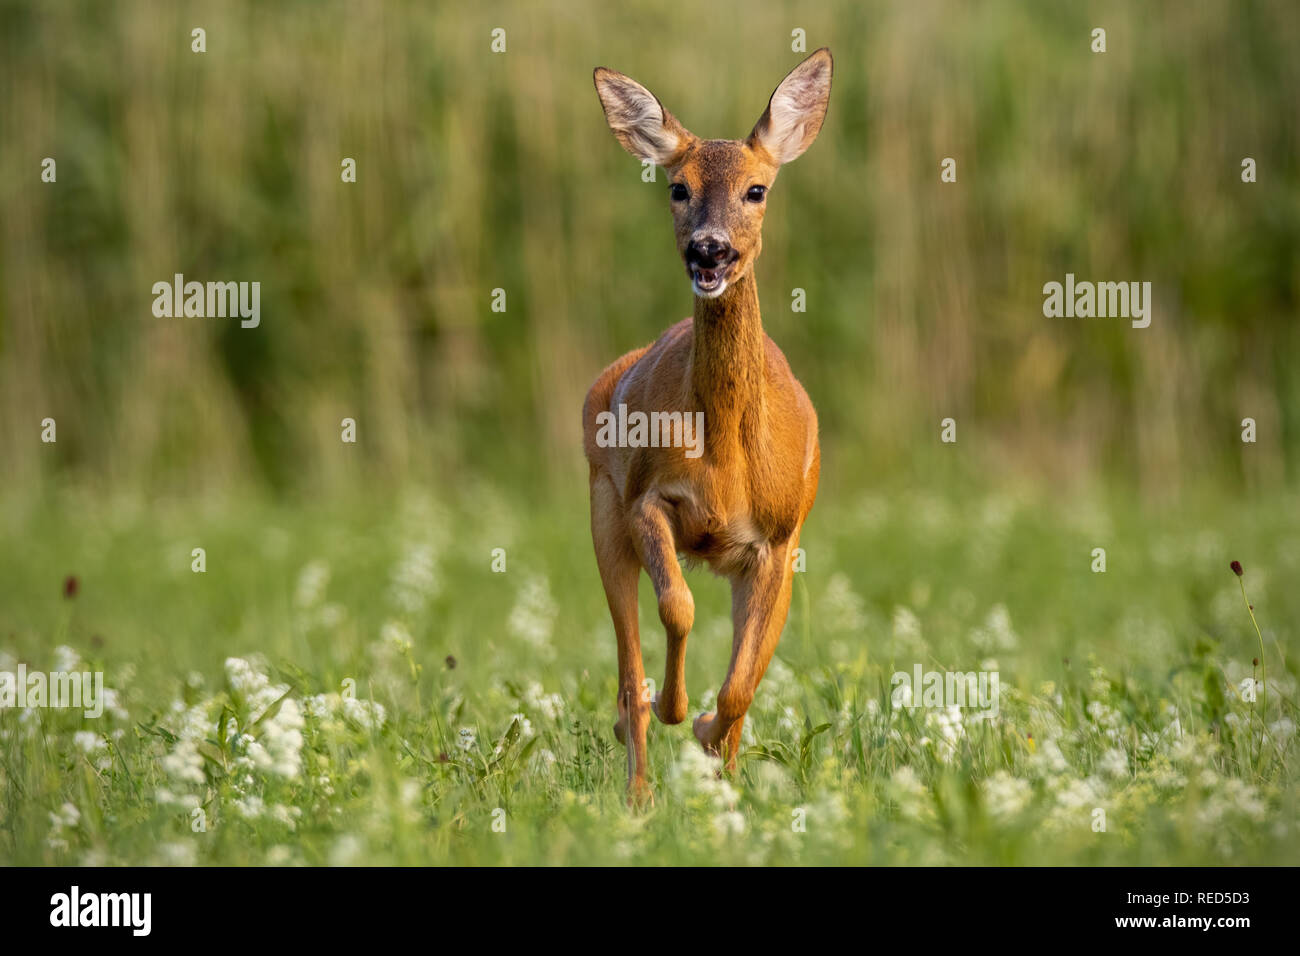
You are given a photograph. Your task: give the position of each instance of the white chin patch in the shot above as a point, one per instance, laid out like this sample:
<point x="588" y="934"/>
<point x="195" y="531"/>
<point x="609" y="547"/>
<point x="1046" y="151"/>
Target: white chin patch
<point x="712" y="292"/>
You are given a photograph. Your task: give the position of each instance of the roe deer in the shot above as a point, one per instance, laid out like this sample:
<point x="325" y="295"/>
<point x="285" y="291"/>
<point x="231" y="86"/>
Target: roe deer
<point x="740" y="504"/>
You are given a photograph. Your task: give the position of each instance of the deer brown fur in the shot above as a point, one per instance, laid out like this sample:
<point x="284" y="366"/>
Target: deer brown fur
<point x="740" y="505"/>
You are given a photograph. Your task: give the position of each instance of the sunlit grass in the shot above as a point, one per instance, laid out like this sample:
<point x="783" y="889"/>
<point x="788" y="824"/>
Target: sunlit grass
<point x="355" y="685"/>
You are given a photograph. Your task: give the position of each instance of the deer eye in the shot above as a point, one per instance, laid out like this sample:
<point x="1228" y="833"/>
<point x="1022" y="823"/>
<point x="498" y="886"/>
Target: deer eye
<point x="756" y="193"/>
<point x="678" y="192"/>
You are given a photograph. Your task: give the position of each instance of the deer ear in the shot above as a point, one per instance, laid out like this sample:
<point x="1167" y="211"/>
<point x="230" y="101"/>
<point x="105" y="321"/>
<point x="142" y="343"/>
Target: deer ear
<point x="795" y="112"/>
<point x="638" y="119"/>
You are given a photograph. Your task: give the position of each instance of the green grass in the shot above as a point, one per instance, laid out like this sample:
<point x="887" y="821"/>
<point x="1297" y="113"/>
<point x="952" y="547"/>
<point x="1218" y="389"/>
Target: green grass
<point x="1127" y="681"/>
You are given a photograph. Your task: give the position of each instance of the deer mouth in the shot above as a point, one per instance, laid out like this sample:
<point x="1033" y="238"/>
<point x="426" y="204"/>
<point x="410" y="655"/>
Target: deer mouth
<point x="708" y="283"/>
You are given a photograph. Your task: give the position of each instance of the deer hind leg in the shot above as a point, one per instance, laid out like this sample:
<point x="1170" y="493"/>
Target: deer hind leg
<point x="619" y="572"/>
<point x="656" y="546"/>
<point x="760" y="602"/>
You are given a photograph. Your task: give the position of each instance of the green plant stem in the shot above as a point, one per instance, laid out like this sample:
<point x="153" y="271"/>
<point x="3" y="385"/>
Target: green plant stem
<point x="1263" y="670"/>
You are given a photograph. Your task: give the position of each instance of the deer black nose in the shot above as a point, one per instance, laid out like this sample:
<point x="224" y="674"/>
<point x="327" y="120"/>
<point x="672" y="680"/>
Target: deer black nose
<point x="709" y="251"/>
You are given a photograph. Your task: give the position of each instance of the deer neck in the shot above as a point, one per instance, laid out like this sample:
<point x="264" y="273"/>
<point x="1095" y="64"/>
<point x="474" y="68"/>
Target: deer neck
<point x="728" y="364"/>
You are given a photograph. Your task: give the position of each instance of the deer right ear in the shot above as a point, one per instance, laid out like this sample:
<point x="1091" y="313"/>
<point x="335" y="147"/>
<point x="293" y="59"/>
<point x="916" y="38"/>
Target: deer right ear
<point x="794" y="115"/>
<point x="638" y="119"/>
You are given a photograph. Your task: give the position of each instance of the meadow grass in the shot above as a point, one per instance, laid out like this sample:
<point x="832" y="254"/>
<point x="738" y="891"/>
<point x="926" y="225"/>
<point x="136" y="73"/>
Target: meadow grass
<point x="349" y="682"/>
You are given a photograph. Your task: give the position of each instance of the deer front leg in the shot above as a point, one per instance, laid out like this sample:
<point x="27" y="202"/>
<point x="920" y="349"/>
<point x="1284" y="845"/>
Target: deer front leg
<point x="760" y="602"/>
<point x="619" y="571"/>
<point x="657" y="548"/>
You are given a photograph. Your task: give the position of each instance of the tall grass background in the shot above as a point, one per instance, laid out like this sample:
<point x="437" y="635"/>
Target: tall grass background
<point x="480" y="171"/>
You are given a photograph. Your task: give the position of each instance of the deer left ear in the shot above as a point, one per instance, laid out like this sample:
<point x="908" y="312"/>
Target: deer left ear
<point x="794" y="115"/>
<point x="639" y="120"/>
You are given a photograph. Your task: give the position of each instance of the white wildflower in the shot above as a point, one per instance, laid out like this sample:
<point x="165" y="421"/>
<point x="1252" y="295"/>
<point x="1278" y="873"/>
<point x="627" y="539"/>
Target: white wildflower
<point x="347" y="850"/>
<point x="66" y="817"/>
<point x="1113" y="763"/>
<point x="366" y="714"/>
<point x="912" y="796"/>
<point x="279" y="855"/>
<point x="907" y="628"/>
<point x="1005" y="795"/>
<point x="66" y="659"/>
<point x="841" y="609"/>
<point x="395" y="634"/>
<point x="283" y="740"/>
<point x="996" y="634"/>
<point x="788" y="722"/>
<point x="286" y="816"/>
<point x="550" y="706"/>
<point x="177" y="854"/>
<point x="695" y="774"/>
<point x="1050" y="758"/>
<point x="249" y="683"/>
<point x="948" y="729"/>
<point x="312" y="582"/>
<point x="1233" y="797"/>
<point x="827" y="812"/>
<point x="729" y="823"/>
<point x="184" y="764"/>
<point x="319" y="706"/>
<point x="1078" y="794"/>
<point x="88" y="742"/>
<point x="532" y="619"/>
<point x="250" y="807"/>
<point x="415" y="579"/>
<point x="113" y="705"/>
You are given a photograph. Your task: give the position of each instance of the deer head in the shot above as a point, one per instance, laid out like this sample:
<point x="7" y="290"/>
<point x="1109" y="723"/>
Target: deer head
<point x="718" y="187"/>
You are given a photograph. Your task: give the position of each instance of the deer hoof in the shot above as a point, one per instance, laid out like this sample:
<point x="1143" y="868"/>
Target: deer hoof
<point x="669" y="711"/>
<point x="639" y="794"/>
<point x="703" y="728"/>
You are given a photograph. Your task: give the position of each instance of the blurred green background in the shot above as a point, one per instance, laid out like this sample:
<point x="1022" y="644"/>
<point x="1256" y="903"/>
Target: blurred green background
<point x="479" y="171"/>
